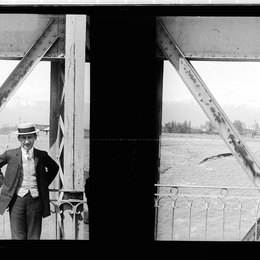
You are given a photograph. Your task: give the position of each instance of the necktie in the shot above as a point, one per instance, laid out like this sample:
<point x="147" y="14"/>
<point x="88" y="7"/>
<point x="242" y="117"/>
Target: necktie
<point x="28" y="156"/>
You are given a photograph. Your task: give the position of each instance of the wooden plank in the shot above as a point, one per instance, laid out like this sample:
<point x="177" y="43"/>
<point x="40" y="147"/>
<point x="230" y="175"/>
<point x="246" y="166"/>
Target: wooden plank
<point x="74" y="102"/>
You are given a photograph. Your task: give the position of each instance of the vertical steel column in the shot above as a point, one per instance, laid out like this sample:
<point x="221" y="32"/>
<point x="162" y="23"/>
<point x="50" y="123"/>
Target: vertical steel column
<point x="56" y="100"/>
<point x="74" y="81"/>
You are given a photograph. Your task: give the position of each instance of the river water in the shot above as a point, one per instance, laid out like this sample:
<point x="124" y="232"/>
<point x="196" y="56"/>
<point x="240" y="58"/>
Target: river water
<point x="223" y="218"/>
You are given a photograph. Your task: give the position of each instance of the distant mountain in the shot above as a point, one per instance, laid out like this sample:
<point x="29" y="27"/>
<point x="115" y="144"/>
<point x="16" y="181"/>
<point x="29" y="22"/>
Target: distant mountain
<point x="38" y="112"/>
<point x="31" y="111"/>
<point x="180" y="111"/>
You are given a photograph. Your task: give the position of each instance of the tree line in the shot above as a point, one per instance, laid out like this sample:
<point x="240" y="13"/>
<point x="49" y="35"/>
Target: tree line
<point x="208" y="128"/>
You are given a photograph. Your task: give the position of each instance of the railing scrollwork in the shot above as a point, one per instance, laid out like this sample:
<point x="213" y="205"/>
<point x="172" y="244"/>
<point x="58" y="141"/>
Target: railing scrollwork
<point x="187" y="212"/>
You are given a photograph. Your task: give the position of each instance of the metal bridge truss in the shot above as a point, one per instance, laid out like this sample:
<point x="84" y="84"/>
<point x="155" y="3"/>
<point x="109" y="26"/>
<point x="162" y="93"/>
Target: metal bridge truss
<point x="61" y="40"/>
<point x="181" y="39"/>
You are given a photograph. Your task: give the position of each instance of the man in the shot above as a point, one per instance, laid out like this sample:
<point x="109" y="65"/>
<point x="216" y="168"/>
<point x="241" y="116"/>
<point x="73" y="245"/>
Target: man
<point x="24" y="189"/>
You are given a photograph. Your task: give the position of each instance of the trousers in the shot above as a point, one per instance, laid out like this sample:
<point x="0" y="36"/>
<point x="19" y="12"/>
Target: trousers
<point x="25" y="217"/>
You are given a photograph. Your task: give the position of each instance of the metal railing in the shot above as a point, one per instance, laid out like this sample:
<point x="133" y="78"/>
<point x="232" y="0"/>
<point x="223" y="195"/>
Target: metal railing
<point x="185" y="212"/>
<point x="68" y="220"/>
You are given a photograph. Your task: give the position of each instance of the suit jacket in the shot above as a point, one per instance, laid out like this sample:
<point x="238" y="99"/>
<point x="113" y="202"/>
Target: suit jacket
<point x="45" y="167"/>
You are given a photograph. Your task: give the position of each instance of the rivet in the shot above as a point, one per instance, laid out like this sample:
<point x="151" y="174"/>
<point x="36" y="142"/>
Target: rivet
<point x="62" y="48"/>
<point x="62" y="21"/>
<point x="61" y="39"/>
<point x="54" y="35"/>
<point x="49" y="28"/>
<point x="62" y="30"/>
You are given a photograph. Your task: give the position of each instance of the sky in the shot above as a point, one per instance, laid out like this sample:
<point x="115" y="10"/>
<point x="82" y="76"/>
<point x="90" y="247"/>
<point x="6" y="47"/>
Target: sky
<point x="32" y="95"/>
<point x="36" y="86"/>
<point x="230" y="82"/>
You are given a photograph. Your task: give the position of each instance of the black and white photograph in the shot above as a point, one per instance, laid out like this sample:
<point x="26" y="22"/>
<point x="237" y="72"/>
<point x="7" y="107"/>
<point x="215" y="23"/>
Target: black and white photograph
<point x="130" y="122"/>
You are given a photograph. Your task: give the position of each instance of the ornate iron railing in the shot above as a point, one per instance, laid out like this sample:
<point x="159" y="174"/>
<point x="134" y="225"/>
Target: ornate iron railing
<point x="186" y="212"/>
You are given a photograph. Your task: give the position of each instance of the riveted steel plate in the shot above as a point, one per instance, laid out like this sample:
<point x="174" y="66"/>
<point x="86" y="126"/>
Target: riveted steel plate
<point x="19" y="31"/>
<point x="215" y="38"/>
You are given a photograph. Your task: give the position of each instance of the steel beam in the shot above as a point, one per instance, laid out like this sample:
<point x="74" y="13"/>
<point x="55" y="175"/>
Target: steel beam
<point x="207" y="102"/>
<point x="56" y="89"/>
<point x="215" y="38"/>
<point x="19" y="31"/>
<point x="35" y="53"/>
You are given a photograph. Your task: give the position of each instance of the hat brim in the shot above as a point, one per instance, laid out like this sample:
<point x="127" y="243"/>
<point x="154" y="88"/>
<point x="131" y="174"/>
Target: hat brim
<point x="28" y="133"/>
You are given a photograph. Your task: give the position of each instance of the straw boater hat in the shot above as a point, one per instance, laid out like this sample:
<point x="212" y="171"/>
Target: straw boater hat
<point x="26" y="129"/>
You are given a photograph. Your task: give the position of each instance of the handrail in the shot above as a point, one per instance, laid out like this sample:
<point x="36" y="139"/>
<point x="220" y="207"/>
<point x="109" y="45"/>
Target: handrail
<point x="192" y="212"/>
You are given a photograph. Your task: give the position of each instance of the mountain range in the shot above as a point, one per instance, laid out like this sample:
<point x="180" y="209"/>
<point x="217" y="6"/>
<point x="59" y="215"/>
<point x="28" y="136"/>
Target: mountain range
<point x="21" y="110"/>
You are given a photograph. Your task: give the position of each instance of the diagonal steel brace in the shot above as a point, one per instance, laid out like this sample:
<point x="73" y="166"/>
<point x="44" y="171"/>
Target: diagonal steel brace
<point x="208" y="103"/>
<point x="28" y="62"/>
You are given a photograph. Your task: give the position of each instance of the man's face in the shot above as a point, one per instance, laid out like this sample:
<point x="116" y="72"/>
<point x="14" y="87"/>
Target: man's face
<point x="27" y="141"/>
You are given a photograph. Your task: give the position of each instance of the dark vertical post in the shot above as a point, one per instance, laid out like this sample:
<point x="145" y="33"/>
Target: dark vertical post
<point x="53" y="140"/>
<point x="54" y="108"/>
<point x="124" y="127"/>
<point x="159" y="87"/>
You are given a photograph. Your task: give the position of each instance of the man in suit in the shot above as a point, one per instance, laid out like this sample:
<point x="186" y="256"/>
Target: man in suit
<point x="24" y="189"/>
